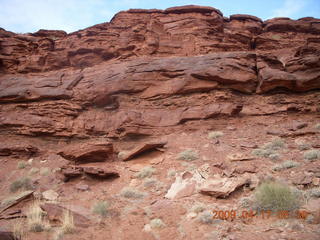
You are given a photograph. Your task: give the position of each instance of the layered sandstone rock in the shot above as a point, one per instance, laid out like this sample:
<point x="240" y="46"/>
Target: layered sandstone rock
<point x="126" y="77"/>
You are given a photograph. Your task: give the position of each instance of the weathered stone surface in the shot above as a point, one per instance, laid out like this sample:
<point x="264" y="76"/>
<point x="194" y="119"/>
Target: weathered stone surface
<point x="70" y="172"/>
<point x="223" y="187"/>
<point x="88" y="152"/>
<point x="17" y="149"/>
<point x="142" y="148"/>
<point x="55" y="213"/>
<point x="6" y="235"/>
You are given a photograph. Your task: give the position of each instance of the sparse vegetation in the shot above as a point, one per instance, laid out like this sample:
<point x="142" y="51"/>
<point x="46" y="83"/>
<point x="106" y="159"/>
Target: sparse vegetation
<point x="18" y="230"/>
<point x="157" y="223"/>
<point x="33" y="171"/>
<point x="317" y="126"/>
<point x="198" y="207"/>
<point x="188" y="155"/>
<point x="145" y="172"/>
<point x="269" y="150"/>
<point x="215" y="134"/>
<point x="132" y="193"/>
<point x="276" y="196"/>
<point x="285" y="165"/>
<point x="35" y="218"/>
<point x="171" y="173"/>
<point x="22" y="183"/>
<point x="206" y="217"/>
<point x="151" y="182"/>
<point x="245" y="202"/>
<point x="315" y="192"/>
<point x="101" y="208"/>
<point x="22" y="164"/>
<point x="67" y="223"/>
<point x="45" y="171"/>
<point x="312" y="155"/>
<point x="302" y="145"/>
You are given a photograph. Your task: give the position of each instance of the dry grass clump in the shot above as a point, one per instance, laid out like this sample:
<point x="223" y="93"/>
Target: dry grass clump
<point x="285" y="165"/>
<point x="315" y="192"/>
<point x="22" y="183"/>
<point x="146" y="172"/>
<point x="101" y="208"/>
<point x="188" y="155"/>
<point x="215" y="134"/>
<point x="312" y="155"/>
<point x="35" y="218"/>
<point x="198" y="207"/>
<point x="302" y="145"/>
<point x="171" y="173"/>
<point x="206" y="217"/>
<point x="157" y="223"/>
<point x="67" y="223"/>
<point x="22" y="164"/>
<point x="317" y="126"/>
<point x="132" y="193"/>
<point x="269" y="150"/>
<point x="33" y="171"/>
<point x="18" y="230"/>
<point x="45" y="171"/>
<point x="276" y="196"/>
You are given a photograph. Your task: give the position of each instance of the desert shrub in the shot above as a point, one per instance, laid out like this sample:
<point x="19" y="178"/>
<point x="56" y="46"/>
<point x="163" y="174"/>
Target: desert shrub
<point x="314" y="192"/>
<point x="198" y="207"/>
<point x="171" y="173"/>
<point x="245" y="202"/>
<point x="205" y="217"/>
<point x="312" y="155"/>
<point x="44" y="171"/>
<point x="302" y="145"/>
<point x="188" y="155"/>
<point x="285" y="165"/>
<point x="269" y="150"/>
<point x="101" y="208"/>
<point x="276" y="196"/>
<point x="317" y="126"/>
<point x="152" y="182"/>
<point x="33" y="171"/>
<point x="132" y="193"/>
<point x="67" y="223"/>
<point x="22" y="183"/>
<point x="21" y="165"/>
<point x="157" y="223"/>
<point x="215" y="134"/>
<point x="18" y="230"/>
<point x="35" y="218"/>
<point x="145" y="172"/>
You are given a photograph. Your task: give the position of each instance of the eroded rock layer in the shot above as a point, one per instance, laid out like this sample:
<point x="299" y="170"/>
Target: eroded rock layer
<point x="150" y="70"/>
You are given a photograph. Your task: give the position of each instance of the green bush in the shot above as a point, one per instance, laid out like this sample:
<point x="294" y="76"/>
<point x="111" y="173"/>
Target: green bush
<point x="22" y="183"/>
<point x="22" y="165"/>
<point x="311" y="155"/>
<point x="285" y="165"/>
<point x="215" y="134"/>
<point x="101" y="208"/>
<point x="276" y="196"/>
<point x="188" y="155"/>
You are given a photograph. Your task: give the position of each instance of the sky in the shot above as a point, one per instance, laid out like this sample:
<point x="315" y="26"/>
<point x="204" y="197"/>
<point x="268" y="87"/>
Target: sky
<point x="24" y="16"/>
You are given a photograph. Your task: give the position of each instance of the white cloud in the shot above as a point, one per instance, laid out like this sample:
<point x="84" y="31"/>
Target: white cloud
<point x="290" y="8"/>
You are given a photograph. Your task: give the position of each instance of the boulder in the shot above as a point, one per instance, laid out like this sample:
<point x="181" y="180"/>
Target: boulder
<point x="142" y="148"/>
<point x="88" y="152"/>
<point x="222" y="187"/>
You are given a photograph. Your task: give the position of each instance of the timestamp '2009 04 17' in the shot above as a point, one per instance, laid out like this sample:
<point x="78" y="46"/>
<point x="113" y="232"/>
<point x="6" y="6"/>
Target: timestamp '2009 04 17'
<point x="262" y="214"/>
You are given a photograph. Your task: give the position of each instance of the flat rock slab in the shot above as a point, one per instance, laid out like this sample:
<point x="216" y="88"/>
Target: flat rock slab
<point x="142" y="148"/>
<point x="223" y="187"/>
<point x="55" y="213"/>
<point x="6" y="235"/>
<point x="17" y="199"/>
<point x="70" y="172"/>
<point x="88" y="152"/>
